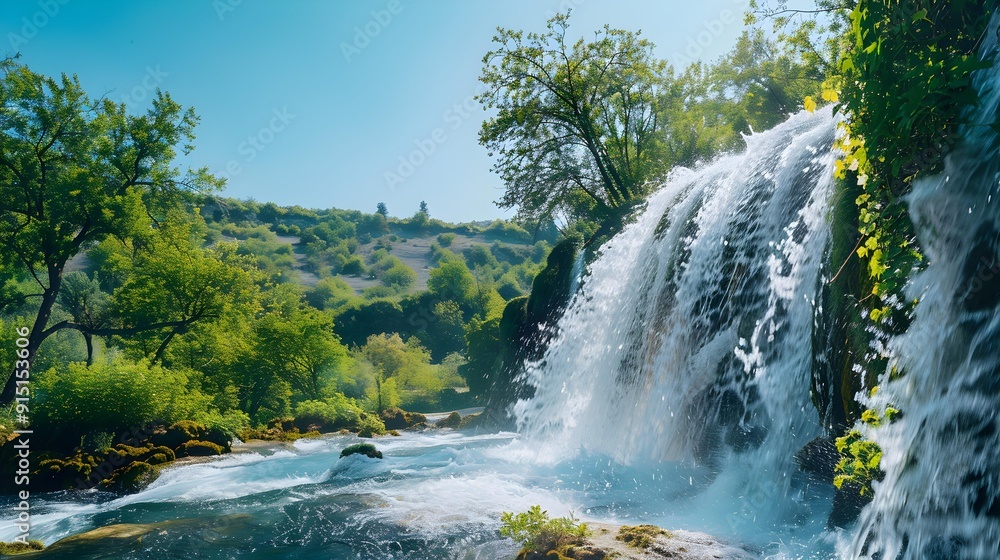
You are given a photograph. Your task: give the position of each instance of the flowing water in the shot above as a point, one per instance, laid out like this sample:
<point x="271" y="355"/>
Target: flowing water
<point x="675" y="392"/>
<point x="940" y="498"/>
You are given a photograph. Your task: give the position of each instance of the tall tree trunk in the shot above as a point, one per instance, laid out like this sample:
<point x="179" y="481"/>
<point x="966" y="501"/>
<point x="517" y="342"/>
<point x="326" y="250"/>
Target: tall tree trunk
<point x="38" y="333"/>
<point x="89" y="338"/>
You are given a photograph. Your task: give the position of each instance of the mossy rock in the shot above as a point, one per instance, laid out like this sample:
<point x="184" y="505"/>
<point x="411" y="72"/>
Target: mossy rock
<point x="14" y="548"/>
<point x="398" y="419"/>
<point x="218" y="437"/>
<point x="133" y="478"/>
<point x="470" y="421"/>
<point x="283" y="423"/>
<point x="453" y="420"/>
<point x="157" y="459"/>
<point x="366" y="449"/>
<point x="640" y="536"/>
<point x="178" y="433"/>
<point x="63" y="474"/>
<point x="199" y="449"/>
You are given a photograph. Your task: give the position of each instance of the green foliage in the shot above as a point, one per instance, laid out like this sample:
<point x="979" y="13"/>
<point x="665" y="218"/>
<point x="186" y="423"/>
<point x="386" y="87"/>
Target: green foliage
<point x="905" y="81"/>
<point x="78" y="171"/>
<point x="576" y="127"/>
<point x="399" y="277"/>
<point x="231" y="423"/>
<point x="370" y="425"/>
<point x="452" y="280"/>
<point x="75" y="400"/>
<point x="446" y="239"/>
<point x="534" y="531"/>
<point x="335" y="411"/>
<point x="861" y="457"/>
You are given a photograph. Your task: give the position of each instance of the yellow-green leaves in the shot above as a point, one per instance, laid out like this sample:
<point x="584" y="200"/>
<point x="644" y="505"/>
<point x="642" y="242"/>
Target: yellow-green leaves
<point x="810" y="104"/>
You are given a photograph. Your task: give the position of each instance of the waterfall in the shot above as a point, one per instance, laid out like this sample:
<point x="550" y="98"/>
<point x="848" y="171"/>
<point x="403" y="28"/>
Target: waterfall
<point x="689" y="340"/>
<point x="940" y="497"/>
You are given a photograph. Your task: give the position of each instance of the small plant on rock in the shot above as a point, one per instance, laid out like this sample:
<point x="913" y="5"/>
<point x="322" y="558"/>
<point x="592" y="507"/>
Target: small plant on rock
<point x="536" y="532"/>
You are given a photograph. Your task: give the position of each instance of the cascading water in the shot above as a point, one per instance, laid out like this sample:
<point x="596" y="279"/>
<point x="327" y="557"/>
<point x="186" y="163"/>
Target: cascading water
<point x="940" y="498"/>
<point x="689" y="341"/>
<point x="681" y="369"/>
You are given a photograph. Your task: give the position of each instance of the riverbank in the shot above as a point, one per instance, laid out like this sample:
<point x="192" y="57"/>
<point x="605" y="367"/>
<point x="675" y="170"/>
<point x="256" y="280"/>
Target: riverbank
<point x="642" y="542"/>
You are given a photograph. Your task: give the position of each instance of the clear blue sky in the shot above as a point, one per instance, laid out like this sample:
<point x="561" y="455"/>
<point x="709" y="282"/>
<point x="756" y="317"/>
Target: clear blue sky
<point x="331" y="111"/>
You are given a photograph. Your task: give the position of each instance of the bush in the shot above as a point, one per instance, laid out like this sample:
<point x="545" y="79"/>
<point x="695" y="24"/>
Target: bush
<point x="354" y="267"/>
<point x="231" y="424"/>
<point x="76" y="402"/>
<point x="535" y="532"/>
<point x="399" y="277"/>
<point x="370" y="425"/>
<point x="328" y="414"/>
<point x="446" y="239"/>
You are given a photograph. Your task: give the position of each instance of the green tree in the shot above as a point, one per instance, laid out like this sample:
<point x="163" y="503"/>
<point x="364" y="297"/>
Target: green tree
<point x="172" y="285"/>
<point x="388" y="357"/>
<point x="382" y="210"/>
<point x="298" y="342"/>
<point x="452" y="280"/>
<point x="87" y="304"/>
<point x="578" y="127"/>
<point x="74" y="171"/>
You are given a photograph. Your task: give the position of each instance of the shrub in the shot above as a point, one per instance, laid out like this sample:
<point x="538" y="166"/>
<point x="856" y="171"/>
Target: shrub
<point x="400" y="277"/>
<point x="354" y="267"/>
<point x="328" y="414"/>
<point x="535" y="532"/>
<point x="76" y="401"/>
<point x="231" y="424"/>
<point x="446" y="239"/>
<point x="370" y="425"/>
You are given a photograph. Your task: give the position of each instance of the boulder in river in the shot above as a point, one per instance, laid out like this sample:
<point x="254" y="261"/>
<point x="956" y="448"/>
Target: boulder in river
<point x="366" y="449"/>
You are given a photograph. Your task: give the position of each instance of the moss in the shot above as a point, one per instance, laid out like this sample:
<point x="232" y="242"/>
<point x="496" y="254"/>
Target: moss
<point x="398" y="419"/>
<point x="199" y="449"/>
<point x="63" y="474"/>
<point x="366" y="449"/>
<point x="133" y="478"/>
<point x="157" y="459"/>
<point x="12" y="548"/>
<point x="453" y="420"/>
<point x="178" y="433"/>
<point x="640" y="536"/>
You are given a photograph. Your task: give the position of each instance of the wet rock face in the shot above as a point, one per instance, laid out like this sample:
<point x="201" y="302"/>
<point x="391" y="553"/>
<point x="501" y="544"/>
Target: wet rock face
<point x="981" y="274"/>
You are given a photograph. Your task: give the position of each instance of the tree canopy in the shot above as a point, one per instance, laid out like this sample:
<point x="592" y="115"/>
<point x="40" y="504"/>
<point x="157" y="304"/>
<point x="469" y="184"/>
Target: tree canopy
<point x="76" y="170"/>
<point x="578" y="127"/>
